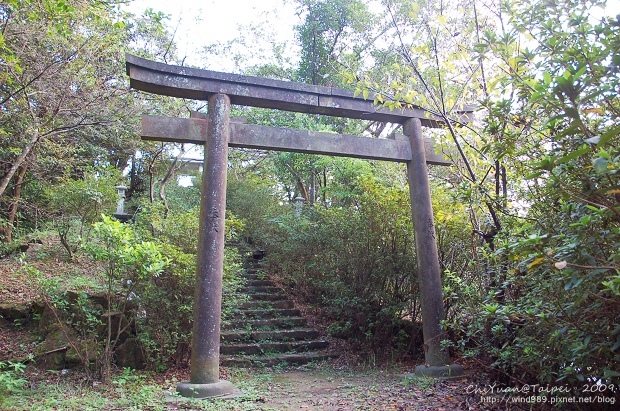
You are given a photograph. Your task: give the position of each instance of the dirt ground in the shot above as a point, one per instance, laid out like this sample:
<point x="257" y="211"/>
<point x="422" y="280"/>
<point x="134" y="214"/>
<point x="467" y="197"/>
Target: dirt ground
<point x="329" y="387"/>
<point x="375" y="391"/>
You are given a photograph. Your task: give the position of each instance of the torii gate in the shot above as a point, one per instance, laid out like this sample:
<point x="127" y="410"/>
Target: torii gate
<point x="218" y="131"/>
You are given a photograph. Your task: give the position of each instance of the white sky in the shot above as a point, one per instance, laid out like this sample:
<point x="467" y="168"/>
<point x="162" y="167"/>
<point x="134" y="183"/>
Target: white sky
<point x="203" y="22"/>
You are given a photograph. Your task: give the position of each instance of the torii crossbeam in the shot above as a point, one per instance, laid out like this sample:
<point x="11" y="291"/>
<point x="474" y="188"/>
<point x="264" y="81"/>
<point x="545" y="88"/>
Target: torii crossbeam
<point x="219" y="131"/>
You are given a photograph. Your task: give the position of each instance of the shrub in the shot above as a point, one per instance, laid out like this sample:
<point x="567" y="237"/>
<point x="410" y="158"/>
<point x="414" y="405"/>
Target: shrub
<point x="11" y="379"/>
<point x="76" y="204"/>
<point x="357" y="264"/>
<point x="128" y="263"/>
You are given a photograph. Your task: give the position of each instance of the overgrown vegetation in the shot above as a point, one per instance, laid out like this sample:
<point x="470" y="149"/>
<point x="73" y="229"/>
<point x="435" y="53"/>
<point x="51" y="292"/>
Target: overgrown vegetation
<point x="356" y="263"/>
<point x="527" y="219"/>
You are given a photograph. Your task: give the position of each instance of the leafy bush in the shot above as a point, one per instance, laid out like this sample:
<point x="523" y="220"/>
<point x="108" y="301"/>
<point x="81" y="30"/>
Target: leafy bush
<point x="76" y="204"/>
<point x="11" y="379"/>
<point x="254" y="201"/>
<point x="357" y="263"/>
<point x="128" y="262"/>
<point x="555" y="317"/>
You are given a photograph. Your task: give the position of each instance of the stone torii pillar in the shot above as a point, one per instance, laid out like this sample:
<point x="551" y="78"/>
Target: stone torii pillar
<point x="437" y="360"/>
<point x="204" y="367"/>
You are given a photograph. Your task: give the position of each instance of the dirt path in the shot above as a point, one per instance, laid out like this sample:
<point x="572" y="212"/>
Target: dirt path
<point x="325" y="388"/>
<point x="345" y="391"/>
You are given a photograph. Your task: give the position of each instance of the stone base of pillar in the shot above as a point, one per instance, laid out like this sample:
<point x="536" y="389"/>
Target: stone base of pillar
<point x="219" y="389"/>
<point x="441" y="371"/>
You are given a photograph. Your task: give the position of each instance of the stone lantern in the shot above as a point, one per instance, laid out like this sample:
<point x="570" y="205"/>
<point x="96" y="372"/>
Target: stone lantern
<point x="299" y="205"/>
<point x="120" y="206"/>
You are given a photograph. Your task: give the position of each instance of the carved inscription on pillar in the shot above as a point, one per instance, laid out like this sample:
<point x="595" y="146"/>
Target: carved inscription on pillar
<point x="214" y="216"/>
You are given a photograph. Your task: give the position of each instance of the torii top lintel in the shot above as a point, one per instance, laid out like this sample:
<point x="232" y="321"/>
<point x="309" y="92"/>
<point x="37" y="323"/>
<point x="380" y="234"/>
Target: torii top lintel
<point x="198" y="84"/>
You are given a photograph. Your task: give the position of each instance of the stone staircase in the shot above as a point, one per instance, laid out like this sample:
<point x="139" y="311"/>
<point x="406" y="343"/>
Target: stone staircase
<point x="267" y="330"/>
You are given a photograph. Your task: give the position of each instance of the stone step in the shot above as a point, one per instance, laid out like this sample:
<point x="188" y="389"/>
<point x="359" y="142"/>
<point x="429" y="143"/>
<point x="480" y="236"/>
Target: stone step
<point x="273" y="335"/>
<point x="263" y="305"/>
<point x="272" y="361"/>
<point x="268" y="297"/>
<point x="272" y="347"/>
<point x="262" y="289"/>
<point x="265" y="314"/>
<point x="250" y="278"/>
<point x="259" y="283"/>
<point x="267" y="329"/>
<point x="271" y="323"/>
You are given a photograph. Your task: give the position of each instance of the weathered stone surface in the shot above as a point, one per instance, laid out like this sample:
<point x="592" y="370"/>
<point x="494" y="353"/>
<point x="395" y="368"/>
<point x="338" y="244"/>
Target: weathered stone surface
<point x="286" y="139"/>
<point x="47" y="320"/>
<point x="114" y="317"/>
<point x="88" y="352"/>
<point x="268" y="297"/>
<point x="276" y="335"/>
<point x="272" y="361"/>
<point x="268" y="313"/>
<point x="50" y="355"/>
<point x="15" y="311"/>
<point x="193" y="83"/>
<point x="272" y="347"/>
<point x="204" y="365"/>
<point x="220" y="388"/>
<point x="442" y="371"/>
<point x="130" y="354"/>
<point x="271" y="323"/>
<point x="257" y="305"/>
<point x="261" y="335"/>
<point x="429" y="270"/>
<point x="258" y="283"/>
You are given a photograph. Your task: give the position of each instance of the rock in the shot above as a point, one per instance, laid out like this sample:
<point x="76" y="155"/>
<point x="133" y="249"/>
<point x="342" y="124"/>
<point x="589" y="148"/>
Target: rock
<point x="38" y="306"/>
<point x="87" y="353"/>
<point x="114" y="317"/>
<point x="47" y="320"/>
<point x="50" y="355"/>
<point x="95" y="299"/>
<point x="16" y="312"/>
<point x="130" y="354"/>
<point x="99" y="299"/>
<point x="258" y="254"/>
<point x="52" y="361"/>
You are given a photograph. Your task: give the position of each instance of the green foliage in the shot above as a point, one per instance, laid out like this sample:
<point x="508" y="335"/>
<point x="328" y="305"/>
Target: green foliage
<point x="167" y="300"/>
<point x="76" y="204"/>
<point x="357" y="263"/>
<point x="125" y="258"/>
<point x="7" y="249"/>
<point x="11" y="380"/>
<point x="252" y="199"/>
<point x="65" y="98"/>
<point x="422" y="59"/>
<point x="129" y="391"/>
<point x="322" y="35"/>
<point x="554" y="318"/>
<point x="537" y="298"/>
<point x="128" y="264"/>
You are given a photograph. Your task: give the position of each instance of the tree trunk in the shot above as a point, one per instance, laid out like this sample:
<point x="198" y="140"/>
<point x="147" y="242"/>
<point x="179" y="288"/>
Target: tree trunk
<point x="162" y="188"/>
<point x="18" y="162"/>
<point x="7" y="232"/>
